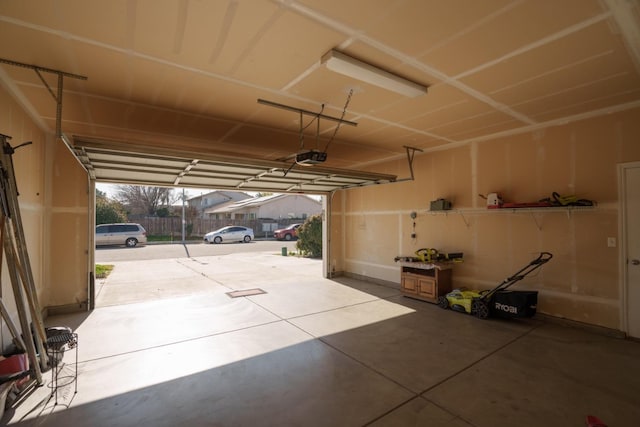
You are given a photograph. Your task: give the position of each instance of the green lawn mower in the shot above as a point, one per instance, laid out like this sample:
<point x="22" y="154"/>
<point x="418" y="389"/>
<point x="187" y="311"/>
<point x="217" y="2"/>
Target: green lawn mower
<point x="498" y="301"/>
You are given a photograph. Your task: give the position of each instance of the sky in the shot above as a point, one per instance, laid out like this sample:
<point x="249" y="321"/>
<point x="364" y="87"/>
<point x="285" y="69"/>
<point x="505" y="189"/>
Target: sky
<point x="111" y="190"/>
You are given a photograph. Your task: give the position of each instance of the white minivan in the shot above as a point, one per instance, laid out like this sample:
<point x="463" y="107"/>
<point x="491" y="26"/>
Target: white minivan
<point x="129" y="234"/>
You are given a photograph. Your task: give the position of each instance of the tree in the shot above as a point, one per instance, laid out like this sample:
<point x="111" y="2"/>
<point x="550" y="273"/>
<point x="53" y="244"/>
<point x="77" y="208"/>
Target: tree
<point x="163" y="212"/>
<point x="145" y="200"/>
<point x="108" y="210"/>
<point x="310" y="237"/>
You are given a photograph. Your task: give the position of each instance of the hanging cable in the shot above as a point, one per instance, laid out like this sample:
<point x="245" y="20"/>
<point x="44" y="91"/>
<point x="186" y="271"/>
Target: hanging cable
<point x="303" y="128"/>
<point x="301" y="135"/>
<point x="344" y="111"/>
<point x="316" y="117"/>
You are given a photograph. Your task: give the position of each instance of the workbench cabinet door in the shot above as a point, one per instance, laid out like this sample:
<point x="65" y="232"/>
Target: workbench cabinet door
<point x="410" y="283"/>
<point x="427" y="288"/>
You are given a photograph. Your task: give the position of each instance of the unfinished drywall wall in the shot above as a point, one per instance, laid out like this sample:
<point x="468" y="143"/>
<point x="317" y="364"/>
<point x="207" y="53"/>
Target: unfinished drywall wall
<point x="29" y="169"/>
<point x="69" y="232"/>
<point x="54" y="206"/>
<point x="580" y="283"/>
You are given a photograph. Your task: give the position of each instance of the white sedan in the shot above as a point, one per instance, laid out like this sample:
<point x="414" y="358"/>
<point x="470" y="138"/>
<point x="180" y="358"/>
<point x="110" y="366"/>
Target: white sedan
<point x="232" y="233"/>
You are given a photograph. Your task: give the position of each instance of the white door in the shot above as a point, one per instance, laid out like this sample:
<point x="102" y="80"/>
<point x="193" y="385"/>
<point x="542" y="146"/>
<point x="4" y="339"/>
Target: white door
<point x="631" y="227"/>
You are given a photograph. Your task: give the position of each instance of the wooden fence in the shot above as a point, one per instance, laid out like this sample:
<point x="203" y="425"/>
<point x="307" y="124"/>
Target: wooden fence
<point x="198" y="227"/>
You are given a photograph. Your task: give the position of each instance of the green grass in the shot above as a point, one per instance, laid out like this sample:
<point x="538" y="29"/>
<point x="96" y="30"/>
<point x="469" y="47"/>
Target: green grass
<point x="102" y="271"/>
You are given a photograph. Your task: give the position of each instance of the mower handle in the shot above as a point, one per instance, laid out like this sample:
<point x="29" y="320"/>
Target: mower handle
<point x="542" y="258"/>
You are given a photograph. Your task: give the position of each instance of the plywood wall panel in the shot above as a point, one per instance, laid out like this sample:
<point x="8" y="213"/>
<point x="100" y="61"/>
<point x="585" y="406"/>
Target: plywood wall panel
<point x="371" y="247"/>
<point x="581" y="281"/>
<point x="28" y="162"/>
<point x="34" y="230"/>
<point x="596" y="157"/>
<point x="493" y="174"/>
<point x="521" y="172"/>
<point x="69" y="227"/>
<point x="69" y="190"/>
<point x="449" y="174"/>
<point x="68" y="280"/>
<point x="625" y="130"/>
<point x="556" y="151"/>
<point x="594" y="259"/>
<point x="587" y="311"/>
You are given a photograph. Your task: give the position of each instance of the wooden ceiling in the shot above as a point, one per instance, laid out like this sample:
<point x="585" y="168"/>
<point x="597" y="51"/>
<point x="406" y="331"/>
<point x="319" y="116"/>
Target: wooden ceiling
<point x="186" y="75"/>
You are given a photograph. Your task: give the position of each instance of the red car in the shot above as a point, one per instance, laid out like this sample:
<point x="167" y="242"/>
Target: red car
<point x="288" y="233"/>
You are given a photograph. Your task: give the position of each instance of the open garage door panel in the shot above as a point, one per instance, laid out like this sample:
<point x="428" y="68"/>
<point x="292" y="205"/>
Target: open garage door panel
<point x="119" y="162"/>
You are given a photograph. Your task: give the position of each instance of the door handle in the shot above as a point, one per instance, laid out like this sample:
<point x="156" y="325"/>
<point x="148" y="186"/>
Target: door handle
<point x="635" y="262"/>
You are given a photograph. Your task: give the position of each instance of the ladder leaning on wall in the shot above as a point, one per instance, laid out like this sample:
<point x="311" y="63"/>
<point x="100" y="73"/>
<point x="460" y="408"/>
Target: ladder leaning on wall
<point x="32" y="336"/>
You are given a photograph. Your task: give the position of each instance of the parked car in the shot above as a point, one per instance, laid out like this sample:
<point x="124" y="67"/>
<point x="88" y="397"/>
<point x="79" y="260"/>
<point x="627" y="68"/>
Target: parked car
<point x="129" y="234"/>
<point x="231" y="233"/>
<point x="287" y="233"/>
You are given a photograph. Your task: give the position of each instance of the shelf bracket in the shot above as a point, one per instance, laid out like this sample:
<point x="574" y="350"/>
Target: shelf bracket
<point x="464" y="219"/>
<point x="57" y="96"/>
<point x="411" y="152"/>
<point x="568" y="214"/>
<point x="538" y="223"/>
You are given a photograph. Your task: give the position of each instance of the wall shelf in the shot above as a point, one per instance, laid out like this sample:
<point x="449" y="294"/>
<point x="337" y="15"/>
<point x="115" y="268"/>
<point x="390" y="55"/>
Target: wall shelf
<point x="514" y="210"/>
<point x="532" y="211"/>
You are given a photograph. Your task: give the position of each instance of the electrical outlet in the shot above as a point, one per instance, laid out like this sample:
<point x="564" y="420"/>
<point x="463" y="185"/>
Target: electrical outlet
<point x="611" y="242"/>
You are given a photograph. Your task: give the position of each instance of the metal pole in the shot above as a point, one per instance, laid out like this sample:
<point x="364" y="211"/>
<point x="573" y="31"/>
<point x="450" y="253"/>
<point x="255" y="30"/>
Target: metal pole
<point x="327" y="207"/>
<point x="12" y="327"/>
<point x="91" y="261"/>
<point x="183" y="219"/>
<point x="20" y="305"/>
<point x="306" y="112"/>
<point x="22" y="252"/>
<point x="59" y="108"/>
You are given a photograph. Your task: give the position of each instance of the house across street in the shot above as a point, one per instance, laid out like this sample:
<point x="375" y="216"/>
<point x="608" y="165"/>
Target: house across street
<point x="232" y="205"/>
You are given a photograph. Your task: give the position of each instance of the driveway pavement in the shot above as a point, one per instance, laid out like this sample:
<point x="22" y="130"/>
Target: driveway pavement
<point x="164" y="277"/>
<point x="108" y="254"/>
<point x="168" y="346"/>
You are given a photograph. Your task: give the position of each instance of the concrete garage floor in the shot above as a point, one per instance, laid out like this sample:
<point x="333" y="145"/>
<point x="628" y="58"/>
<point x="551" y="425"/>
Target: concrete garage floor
<point x="168" y="347"/>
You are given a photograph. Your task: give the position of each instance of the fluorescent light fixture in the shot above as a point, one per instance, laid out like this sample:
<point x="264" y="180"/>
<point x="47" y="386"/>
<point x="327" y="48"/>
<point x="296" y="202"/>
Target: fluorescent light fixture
<point x="354" y="68"/>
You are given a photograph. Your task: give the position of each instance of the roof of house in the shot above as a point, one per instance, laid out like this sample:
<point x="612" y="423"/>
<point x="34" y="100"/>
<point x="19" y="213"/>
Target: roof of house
<point x="252" y="202"/>
<point x="231" y="194"/>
